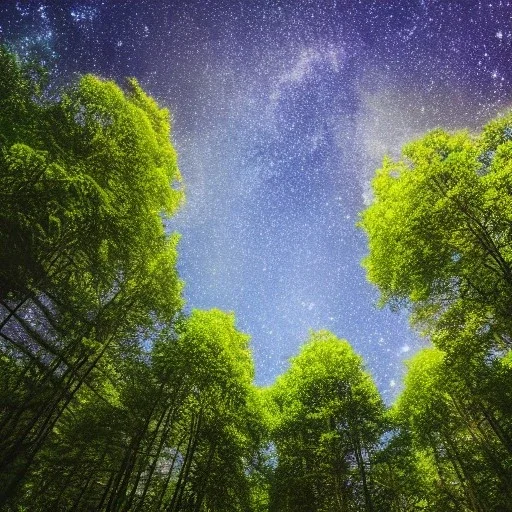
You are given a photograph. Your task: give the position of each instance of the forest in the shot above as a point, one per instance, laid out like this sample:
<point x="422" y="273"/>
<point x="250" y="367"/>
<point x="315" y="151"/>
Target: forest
<point x="114" y="398"/>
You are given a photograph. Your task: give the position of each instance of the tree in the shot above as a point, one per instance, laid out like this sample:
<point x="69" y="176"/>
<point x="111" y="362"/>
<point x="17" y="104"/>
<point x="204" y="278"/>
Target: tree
<point x="404" y="475"/>
<point x="446" y="419"/>
<point x="87" y="180"/>
<point x="439" y="228"/>
<point x="177" y="427"/>
<point x="329" y="424"/>
<point x="224" y="420"/>
<point x="439" y="232"/>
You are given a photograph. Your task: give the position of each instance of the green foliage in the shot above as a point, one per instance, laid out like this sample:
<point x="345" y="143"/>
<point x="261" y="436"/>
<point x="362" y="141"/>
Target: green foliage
<point x="212" y="357"/>
<point x="464" y="429"/>
<point x="439" y="227"/>
<point x="440" y="244"/>
<point x="85" y="263"/>
<point x="329" y="423"/>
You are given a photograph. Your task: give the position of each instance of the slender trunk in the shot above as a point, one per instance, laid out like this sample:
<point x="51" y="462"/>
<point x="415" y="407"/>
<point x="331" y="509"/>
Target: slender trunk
<point x="44" y="430"/>
<point x="106" y="491"/>
<point x="173" y="506"/>
<point x="464" y="477"/>
<point x="480" y="438"/>
<point x="118" y="495"/>
<point x="169" y="476"/>
<point x="448" y="488"/>
<point x="164" y="436"/>
<point x="9" y="423"/>
<point x="42" y="414"/>
<point x="92" y="475"/>
<point x="496" y="427"/>
<point x="362" y="472"/>
<point x="11" y="311"/>
<point x="202" y="487"/>
<point x="143" y="463"/>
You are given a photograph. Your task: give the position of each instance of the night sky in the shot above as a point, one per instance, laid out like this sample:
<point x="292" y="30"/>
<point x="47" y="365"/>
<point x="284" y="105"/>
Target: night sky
<point x="282" y="110"/>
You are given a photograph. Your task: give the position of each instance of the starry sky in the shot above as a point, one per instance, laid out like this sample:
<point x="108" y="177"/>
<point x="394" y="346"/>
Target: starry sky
<point x="282" y="110"/>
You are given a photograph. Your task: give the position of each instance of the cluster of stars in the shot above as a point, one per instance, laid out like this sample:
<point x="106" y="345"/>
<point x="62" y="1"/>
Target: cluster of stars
<point x="83" y="14"/>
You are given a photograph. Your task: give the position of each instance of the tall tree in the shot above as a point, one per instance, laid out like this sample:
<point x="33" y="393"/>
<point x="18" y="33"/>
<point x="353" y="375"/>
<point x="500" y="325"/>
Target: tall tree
<point x="446" y="419"/>
<point x="440" y="244"/>
<point x="439" y="227"/>
<point x="329" y="423"/>
<point x="175" y="428"/>
<point x="85" y="262"/>
<point x="224" y="425"/>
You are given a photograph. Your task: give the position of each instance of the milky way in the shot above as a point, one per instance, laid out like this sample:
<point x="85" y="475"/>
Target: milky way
<point x="282" y="110"/>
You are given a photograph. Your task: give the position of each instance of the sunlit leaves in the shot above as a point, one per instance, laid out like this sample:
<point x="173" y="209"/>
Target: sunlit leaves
<point x="439" y="226"/>
<point x="330" y="419"/>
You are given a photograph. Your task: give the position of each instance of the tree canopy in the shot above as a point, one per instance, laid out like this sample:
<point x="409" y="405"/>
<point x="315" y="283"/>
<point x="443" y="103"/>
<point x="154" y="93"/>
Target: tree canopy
<point x="115" y="398"/>
<point x="439" y="227"/>
<point x="440" y="246"/>
<point x="330" y="420"/>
